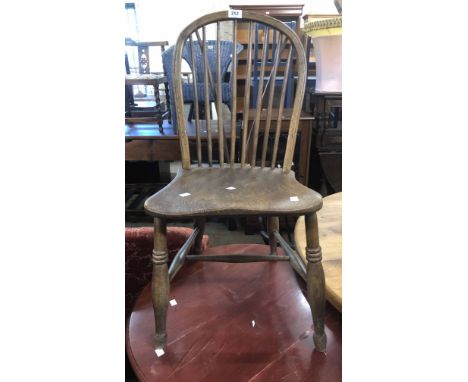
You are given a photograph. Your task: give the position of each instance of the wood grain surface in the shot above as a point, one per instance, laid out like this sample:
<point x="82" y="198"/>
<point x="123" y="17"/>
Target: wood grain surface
<point x="329" y="218"/>
<point x="258" y="191"/>
<point x="235" y="322"/>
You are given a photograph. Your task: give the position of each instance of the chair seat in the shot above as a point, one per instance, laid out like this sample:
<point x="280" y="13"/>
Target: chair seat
<point x="142" y="76"/>
<point x="144" y="79"/>
<point x="205" y="191"/>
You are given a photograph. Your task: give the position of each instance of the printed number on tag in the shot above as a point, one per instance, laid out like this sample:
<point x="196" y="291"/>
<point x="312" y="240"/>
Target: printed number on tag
<point x="235" y="13"/>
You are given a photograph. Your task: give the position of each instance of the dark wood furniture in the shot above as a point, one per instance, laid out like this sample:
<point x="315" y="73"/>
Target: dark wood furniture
<point x="327" y="110"/>
<point x="133" y="112"/>
<point x="229" y="325"/>
<point x="146" y="142"/>
<point x="232" y="186"/>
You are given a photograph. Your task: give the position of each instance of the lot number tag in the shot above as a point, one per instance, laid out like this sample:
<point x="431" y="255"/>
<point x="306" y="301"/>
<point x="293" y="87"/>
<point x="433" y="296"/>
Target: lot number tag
<point x="235" y="14"/>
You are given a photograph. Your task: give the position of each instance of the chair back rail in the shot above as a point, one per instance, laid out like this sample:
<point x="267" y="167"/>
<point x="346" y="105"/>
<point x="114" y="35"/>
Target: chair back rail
<point x="287" y="51"/>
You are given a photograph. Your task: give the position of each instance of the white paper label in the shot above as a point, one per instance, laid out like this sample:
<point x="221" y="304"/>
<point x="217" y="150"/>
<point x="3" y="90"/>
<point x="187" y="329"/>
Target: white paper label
<point x="159" y="352"/>
<point x="173" y="302"/>
<point x="293" y="198"/>
<point x="235" y="14"/>
<point x="185" y="194"/>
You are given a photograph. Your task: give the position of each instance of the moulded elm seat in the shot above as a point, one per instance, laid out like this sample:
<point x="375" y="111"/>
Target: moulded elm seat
<point x="258" y="191"/>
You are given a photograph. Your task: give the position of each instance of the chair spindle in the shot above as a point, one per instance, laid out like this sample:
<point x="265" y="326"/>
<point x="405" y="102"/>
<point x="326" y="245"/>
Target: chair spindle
<point x="258" y="110"/>
<point x="245" y="122"/>
<point x="234" y="93"/>
<point x="207" y="100"/>
<point x="197" y="111"/>
<point x="219" y="104"/>
<point x="280" y="108"/>
<point x="271" y="94"/>
<point x="210" y="76"/>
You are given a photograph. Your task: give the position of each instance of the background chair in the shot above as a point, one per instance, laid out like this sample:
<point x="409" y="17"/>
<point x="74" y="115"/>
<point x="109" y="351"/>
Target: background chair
<point x="244" y="185"/>
<point x="142" y="75"/>
<point x="197" y="63"/>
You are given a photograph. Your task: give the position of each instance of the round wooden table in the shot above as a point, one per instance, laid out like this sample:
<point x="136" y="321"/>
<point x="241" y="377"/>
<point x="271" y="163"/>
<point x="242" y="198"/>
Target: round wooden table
<point x="329" y="218"/>
<point x="234" y="322"/>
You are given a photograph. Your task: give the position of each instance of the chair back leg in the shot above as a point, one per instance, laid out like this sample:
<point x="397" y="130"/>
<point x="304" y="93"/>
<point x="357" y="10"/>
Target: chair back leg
<point x="272" y="226"/>
<point x="200" y="223"/>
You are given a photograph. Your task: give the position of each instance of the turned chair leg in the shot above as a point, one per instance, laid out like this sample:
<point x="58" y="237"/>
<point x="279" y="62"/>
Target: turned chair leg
<point x="315" y="281"/>
<point x="197" y="248"/>
<point x="272" y="225"/>
<point x="160" y="283"/>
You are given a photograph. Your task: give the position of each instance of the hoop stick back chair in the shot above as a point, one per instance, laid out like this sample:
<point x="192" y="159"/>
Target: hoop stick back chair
<point x="249" y="186"/>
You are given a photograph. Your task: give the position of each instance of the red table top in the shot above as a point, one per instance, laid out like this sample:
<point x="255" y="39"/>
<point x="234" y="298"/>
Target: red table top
<point x="234" y="322"/>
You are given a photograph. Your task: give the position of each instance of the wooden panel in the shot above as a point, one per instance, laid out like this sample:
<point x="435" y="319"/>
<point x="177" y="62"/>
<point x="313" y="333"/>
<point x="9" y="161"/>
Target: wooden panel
<point x="152" y="150"/>
<point x="243" y="35"/>
<point x="243" y="54"/>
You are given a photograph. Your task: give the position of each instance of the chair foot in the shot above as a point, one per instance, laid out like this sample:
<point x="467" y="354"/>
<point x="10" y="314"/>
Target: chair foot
<point x="315" y="281"/>
<point x="320" y="341"/>
<point x="160" y="283"/>
<point x="160" y="341"/>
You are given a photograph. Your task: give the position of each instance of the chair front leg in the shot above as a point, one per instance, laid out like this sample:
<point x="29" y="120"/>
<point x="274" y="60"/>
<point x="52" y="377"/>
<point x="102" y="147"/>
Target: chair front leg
<point x="200" y="224"/>
<point x="315" y="281"/>
<point x="272" y="225"/>
<point x="160" y="283"/>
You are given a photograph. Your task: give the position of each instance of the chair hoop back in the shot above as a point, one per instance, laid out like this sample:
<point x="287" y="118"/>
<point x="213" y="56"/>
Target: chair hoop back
<point x="281" y="51"/>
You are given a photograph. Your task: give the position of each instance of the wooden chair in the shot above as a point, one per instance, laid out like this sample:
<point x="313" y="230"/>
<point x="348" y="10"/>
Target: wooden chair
<point x="134" y="113"/>
<point x="245" y="187"/>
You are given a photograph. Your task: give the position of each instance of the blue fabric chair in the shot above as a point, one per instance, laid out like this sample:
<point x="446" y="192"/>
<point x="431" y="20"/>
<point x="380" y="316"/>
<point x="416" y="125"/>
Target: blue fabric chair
<point x="187" y="88"/>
